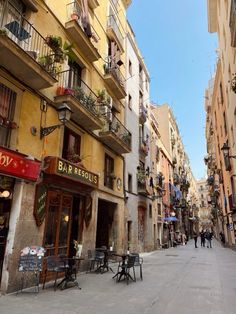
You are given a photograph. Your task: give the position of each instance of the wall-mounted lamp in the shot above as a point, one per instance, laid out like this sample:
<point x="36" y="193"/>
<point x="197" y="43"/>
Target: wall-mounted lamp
<point x="225" y="149"/>
<point x="64" y="114"/>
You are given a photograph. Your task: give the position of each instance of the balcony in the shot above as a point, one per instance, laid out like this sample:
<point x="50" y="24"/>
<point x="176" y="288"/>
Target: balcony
<point x="212" y="16"/>
<point x="141" y="182"/>
<point x="115" y="80"/>
<point x="142" y="114"/>
<point x="93" y="4"/>
<point x="23" y="50"/>
<point x="143" y="148"/>
<point x="232" y="202"/>
<point x="85" y="38"/>
<point x="232" y="23"/>
<point x="114" y="33"/>
<point x="115" y="135"/>
<point x="81" y="99"/>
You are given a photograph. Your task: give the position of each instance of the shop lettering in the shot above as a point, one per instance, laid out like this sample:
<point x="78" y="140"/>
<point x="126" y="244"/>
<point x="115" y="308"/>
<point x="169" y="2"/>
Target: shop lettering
<point x="5" y="160"/>
<point x="76" y="172"/>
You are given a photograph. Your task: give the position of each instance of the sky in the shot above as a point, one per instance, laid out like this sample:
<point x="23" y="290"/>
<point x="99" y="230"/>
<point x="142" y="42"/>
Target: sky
<point x="180" y="55"/>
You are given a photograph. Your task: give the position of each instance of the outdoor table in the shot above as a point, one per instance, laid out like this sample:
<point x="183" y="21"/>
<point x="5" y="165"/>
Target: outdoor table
<point x="105" y="264"/>
<point x="71" y="266"/>
<point x="122" y="272"/>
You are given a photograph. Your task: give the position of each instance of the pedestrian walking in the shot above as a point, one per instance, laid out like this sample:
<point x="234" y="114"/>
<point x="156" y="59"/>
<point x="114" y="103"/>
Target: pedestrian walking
<point x="203" y="238"/>
<point x="222" y="237"/>
<point x="208" y="238"/>
<point x="195" y="236"/>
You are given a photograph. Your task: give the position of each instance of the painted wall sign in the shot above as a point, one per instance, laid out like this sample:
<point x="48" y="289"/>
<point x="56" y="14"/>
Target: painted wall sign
<point x="71" y="171"/>
<point x="17" y="165"/>
<point x="40" y="204"/>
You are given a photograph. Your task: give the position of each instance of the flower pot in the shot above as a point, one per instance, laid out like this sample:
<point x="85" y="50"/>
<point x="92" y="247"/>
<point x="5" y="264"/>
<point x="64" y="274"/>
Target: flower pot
<point x="74" y="16"/>
<point x="60" y="90"/>
<point x="69" y="91"/>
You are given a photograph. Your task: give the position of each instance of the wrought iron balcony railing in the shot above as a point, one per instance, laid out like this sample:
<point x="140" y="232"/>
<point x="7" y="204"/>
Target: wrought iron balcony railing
<point x="74" y="12"/>
<point x="70" y="84"/>
<point x="14" y="25"/>
<point x="115" y="72"/>
<point x="112" y="23"/>
<point x="117" y="128"/>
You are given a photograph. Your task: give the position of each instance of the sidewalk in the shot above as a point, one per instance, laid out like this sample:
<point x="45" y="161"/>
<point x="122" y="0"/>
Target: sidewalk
<point x="180" y="280"/>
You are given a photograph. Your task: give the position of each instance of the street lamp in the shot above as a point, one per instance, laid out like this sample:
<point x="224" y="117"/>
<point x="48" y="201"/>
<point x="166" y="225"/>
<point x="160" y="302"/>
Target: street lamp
<point x="225" y="149"/>
<point x="64" y="114"/>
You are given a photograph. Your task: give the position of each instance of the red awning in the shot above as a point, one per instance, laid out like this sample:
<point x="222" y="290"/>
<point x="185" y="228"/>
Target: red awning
<point x="18" y="165"/>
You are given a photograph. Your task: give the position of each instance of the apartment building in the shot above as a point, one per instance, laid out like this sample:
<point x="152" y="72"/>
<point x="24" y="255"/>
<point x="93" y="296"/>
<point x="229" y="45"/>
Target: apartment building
<point x="221" y="20"/>
<point x="62" y="129"/>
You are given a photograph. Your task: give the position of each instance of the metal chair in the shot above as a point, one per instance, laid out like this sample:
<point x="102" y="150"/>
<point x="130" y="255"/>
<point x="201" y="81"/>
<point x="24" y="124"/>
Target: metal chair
<point x="139" y="263"/>
<point x="124" y="269"/>
<point x="54" y="264"/>
<point x="94" y="258"/>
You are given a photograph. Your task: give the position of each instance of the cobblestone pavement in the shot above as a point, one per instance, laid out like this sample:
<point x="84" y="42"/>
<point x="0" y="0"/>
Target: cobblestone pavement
<point x="181" y="280"/>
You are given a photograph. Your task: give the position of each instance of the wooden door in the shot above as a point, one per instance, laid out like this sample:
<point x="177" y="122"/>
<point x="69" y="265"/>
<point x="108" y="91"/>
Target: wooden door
<point x="58" y="223"/>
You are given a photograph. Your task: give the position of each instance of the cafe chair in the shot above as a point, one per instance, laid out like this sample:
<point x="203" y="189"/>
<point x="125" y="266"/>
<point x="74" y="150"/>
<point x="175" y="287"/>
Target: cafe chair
<point x="130" y="265"/>
<point x="95" y="258"/>
<point x="124" y="269"/>
<point x="54" y="264"/>
<point x="139" y="263"/>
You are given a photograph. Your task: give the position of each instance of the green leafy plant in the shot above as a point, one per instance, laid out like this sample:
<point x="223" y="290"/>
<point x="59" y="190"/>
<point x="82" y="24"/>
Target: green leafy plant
<point x="79" y="94"/>
<point x="3" y="31"/>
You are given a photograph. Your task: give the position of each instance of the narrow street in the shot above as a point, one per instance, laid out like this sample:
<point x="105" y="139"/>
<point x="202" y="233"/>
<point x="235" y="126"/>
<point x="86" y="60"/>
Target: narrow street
<point x="179" y="280"/>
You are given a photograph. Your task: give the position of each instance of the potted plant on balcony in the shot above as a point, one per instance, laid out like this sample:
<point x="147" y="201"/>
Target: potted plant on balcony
<point x="3" y="31"/>
<point x="101" y="93"/>
<point x="233" y="83"/>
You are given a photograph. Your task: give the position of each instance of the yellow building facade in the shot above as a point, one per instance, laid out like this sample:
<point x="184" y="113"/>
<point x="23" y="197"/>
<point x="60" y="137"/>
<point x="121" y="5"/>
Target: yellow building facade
<point x="56" y="59"/>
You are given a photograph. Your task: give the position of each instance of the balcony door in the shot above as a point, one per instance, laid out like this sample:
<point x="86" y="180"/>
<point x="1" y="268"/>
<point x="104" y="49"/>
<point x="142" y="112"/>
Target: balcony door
<point x="58" y="223"/>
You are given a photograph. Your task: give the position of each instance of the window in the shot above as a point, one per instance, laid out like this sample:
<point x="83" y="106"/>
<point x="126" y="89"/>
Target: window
<point x="159" y="209"/>
<point x="7" y="108"/>
<point x="225" y="125"/>
<point x="109" y="171"/>
<point x="74" y="77"/>
<point x="130" y="68"/>
<point x="221" y="94"/>
<point x="150" y="210"/>
<point x="130" y="183"/>
<point x="71" y="146"/>
<point x="130" y="102"/>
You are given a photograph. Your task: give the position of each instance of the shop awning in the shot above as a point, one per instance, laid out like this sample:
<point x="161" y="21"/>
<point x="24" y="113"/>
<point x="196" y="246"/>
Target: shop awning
<point x="18" y="165"/>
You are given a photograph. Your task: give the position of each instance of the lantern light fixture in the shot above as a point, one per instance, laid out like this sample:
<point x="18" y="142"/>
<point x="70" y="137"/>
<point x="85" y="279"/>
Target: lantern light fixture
<point x="64" y="114"/>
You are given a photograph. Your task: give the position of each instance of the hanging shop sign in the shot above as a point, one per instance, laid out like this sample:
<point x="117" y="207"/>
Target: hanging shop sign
<point x="63" y="168"/>
<point x="17" y="165"/>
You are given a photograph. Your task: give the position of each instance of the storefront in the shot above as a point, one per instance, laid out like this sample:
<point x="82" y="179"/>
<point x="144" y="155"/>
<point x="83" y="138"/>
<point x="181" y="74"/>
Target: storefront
<point x="64" y="200"/>
<point x="14" y="168"/>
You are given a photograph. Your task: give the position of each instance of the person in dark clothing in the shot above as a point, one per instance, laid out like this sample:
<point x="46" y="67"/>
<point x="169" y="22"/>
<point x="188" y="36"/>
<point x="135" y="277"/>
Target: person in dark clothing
<point x="222" y="237"/>
<point x="203" y="239"/>
<point x="209" y="238"/>
<point x="195" y="236"/>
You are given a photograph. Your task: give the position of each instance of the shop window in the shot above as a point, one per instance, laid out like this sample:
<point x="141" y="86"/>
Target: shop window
<point x="7" y="108"/>
<point x="71" y="146"/>
<point x="109" y="172"/>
